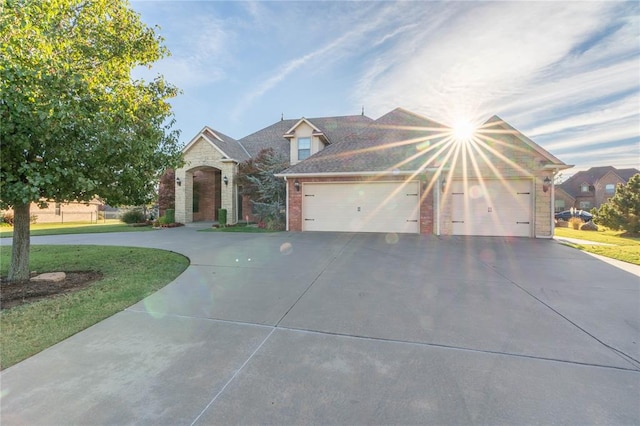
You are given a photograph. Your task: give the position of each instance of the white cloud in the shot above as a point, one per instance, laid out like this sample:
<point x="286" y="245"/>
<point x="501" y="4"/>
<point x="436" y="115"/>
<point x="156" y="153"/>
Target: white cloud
<point x="483" y="54"/>
<point x="607" y="132"/>
<point x="627" y="107"/>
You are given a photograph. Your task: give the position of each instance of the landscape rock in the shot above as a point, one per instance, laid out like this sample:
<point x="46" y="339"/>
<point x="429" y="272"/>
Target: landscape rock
<point x="50" y="276"/>
<point x="589" y="226"/>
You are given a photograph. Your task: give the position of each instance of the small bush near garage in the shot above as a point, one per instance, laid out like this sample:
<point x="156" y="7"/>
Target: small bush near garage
<point x="133" y="216"/>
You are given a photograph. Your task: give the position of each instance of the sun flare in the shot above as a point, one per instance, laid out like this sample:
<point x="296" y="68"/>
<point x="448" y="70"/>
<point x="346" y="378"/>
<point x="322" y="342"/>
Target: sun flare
<point x="463" y="130"/>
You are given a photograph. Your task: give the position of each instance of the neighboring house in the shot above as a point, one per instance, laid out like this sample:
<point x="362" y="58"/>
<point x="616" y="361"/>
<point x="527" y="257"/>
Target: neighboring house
<point x="65" y="212"/>
<point x="590" y="188"/>
<point x="401" y="173"/>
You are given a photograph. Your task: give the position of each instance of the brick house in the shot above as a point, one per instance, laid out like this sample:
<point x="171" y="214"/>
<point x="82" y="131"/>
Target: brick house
<point x="590" y="188"/>
<point x="401" y="173"/>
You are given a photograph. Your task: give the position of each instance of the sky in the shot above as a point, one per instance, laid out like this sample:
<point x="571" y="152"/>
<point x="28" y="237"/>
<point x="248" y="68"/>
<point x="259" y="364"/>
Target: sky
<point x="566" y="74"/>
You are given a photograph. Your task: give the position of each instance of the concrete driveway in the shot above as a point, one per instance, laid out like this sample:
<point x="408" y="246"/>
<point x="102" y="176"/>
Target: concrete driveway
<point x="320" y="328"/>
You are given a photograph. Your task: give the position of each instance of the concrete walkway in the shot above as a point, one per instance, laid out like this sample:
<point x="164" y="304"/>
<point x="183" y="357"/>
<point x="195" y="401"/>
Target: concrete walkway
<point x="625" y="266"/>
<point x="303" y="328"/>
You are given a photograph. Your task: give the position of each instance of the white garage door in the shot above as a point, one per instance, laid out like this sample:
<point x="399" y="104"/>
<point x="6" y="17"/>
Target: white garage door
<point x="361" y="207"/>
<point x="492" y="208"/>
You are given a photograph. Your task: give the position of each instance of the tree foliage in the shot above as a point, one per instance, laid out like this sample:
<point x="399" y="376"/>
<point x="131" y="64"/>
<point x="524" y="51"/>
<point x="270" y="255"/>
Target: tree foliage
<point x="167" y="191"/>
<point x="622" y="211"/>
<point x="266" y="191"/>
<point x="74" y="122"/>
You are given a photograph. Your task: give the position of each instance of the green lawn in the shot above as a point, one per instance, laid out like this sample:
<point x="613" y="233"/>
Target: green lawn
<point x="624" y="248"/>
<point x="112" y="225"/>
<point x="129" y="275"/>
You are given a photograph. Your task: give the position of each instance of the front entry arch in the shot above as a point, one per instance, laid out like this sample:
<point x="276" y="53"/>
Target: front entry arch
<point x="203" y="193"/>
<point x="206" y="194"/>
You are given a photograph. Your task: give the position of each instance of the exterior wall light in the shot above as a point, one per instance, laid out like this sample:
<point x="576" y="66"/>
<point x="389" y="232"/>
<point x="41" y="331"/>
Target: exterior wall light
<point x="178" y="181"/>
<point x="296" y="185"/>
<point x="546" y="184"/>
<point x="225" y="180"/>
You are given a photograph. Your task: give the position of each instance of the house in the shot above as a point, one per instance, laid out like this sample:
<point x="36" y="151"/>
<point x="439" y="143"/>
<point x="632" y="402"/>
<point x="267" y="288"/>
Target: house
<point x="590" y="188"/>
<point x="400" y="173"/>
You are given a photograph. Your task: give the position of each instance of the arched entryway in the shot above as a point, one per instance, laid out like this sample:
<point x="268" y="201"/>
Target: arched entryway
<point x="206" y="194"/>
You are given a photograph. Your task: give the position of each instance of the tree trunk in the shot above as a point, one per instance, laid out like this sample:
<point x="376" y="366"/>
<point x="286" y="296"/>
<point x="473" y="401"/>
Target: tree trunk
<point x="19" y="268"/>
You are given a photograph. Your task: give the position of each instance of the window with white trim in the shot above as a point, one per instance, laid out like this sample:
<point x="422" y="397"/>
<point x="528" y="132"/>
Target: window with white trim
<point x="304" y="148"/>
<point x="584" y="188"/>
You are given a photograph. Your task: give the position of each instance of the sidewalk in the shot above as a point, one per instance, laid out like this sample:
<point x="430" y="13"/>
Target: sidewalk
<point x="625" y="266"/>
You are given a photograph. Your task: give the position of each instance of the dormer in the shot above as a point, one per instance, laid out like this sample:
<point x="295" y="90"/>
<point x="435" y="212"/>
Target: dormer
<point x="305" y="139"/>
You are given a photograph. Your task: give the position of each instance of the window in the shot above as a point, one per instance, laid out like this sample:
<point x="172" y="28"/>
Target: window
<point x="610" y="188"/>
<point x="584" y="188"/>
<point x="584" y="205"/>
<point x="304" y="148"/>
<point x="559" y="205"/>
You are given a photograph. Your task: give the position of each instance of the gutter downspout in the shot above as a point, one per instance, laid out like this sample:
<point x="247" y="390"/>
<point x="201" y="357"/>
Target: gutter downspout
<point x="553" y="203"/>
<point x="437" y="201"/>
<point x="286" y="209"/>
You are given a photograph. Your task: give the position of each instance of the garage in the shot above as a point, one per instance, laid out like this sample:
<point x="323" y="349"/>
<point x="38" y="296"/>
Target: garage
<point x="492" y="207"/>
<point x="361" y="207"/>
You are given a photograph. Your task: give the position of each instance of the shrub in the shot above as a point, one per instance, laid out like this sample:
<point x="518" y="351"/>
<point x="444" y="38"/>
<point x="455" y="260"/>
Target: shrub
<point x="622" y="211"/>
<point x="575" y="222"/>
<point x="133" y="216"/>
<point x="222" y="217"/>
<point x="170" y="215"/>
<point x="7" y="218"/>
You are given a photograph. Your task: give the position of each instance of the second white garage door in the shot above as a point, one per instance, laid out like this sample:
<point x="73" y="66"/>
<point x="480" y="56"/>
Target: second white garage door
<point x="361" y="207"/>
<point x="492" y="208"/>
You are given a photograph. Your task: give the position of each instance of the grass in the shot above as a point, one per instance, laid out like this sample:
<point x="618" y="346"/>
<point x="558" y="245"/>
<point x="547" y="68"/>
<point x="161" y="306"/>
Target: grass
<point x="129" y="275"/>
<point x="623" y="247"/>
<point x="240" y="227"/>
<point x="112" y="225"/>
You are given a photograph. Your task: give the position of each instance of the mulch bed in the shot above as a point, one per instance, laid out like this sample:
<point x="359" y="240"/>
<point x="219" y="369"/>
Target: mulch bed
<point x="12" y="295"/>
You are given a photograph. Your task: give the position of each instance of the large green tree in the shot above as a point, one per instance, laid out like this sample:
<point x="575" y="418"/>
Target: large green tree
<point x="622" y="211"/>
<point x="73" y="122"/>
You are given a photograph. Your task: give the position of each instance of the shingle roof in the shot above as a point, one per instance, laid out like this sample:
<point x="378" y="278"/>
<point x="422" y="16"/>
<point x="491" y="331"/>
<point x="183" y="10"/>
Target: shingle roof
<point x="590" y="177"/>
<point x="226" y="144"/>
<point x="383" y="145"/>
<point x="335" y="129"/>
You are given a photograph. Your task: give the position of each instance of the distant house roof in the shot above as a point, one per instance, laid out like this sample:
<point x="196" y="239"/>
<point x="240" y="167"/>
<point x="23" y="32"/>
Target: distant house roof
<point x="572" y="186"/>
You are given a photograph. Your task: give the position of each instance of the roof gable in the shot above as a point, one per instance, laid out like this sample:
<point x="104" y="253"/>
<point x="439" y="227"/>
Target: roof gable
<point x="291" y="131"/>
<point x="335" y="129"/>
<point x="225" y="145"/>
<point x="496" y="122"/>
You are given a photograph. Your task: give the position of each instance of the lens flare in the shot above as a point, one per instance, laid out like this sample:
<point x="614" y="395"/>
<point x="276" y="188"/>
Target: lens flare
<point x="463" y="130"/>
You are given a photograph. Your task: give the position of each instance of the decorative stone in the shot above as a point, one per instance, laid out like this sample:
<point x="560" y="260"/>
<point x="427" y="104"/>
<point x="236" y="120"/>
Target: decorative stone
<point x="50" y="276"/>
<point x="589" y="226"/>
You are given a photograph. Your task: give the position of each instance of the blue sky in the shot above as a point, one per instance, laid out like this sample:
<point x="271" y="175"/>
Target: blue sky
<point x="566" y="74"/>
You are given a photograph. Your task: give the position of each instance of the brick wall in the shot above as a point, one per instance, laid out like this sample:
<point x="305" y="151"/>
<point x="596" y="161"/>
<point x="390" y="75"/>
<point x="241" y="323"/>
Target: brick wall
<point x="207" y="182"/>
